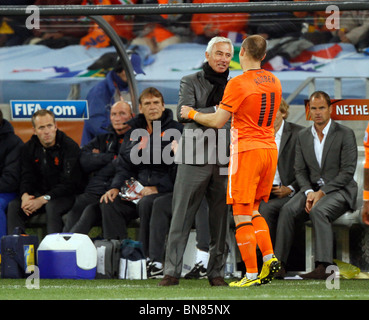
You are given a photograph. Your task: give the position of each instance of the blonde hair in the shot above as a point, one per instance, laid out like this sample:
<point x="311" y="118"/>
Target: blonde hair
<point x="283" y="108"/>
<point x="41" y="113"/>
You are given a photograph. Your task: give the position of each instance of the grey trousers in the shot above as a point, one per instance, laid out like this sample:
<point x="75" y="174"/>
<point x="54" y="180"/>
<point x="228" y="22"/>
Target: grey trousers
<point x="192" y="184"/>
<point x="326" y="210"/>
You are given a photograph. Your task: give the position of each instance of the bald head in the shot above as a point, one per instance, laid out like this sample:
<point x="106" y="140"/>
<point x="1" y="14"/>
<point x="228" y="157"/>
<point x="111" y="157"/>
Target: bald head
<point x="120" y="113"/>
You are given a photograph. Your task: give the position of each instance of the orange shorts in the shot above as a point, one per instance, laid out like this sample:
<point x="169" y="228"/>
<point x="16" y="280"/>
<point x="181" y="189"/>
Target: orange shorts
<point x="251" y="175"/>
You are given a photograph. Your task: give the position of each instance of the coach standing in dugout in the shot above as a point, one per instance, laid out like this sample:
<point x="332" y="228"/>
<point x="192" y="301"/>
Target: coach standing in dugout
<point x="50" y="175"/>
<point x="252" y="99"/>
<point x="197" y="175"/>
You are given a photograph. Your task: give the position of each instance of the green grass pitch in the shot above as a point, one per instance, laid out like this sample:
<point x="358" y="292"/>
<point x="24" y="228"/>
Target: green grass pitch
<point x="146" y="290"/>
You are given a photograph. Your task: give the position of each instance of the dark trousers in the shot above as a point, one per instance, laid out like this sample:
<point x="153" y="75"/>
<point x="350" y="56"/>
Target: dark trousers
<point x="90" y="218"/>
<point x="115" y="217"/>
<point x="54" y="211"/>
<point x="83" y="201"/>
<point x="270" y="211"/>
<point x="161" y="217"/>
<point x="144" y="208"/>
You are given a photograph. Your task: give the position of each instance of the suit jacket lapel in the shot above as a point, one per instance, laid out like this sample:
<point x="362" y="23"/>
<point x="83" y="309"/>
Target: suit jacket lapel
<point x="285" y="136"/>
<point x="310" y="151"/>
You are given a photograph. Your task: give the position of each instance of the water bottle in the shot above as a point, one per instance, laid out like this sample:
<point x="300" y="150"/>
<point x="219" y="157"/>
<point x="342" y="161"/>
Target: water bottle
<point x="229" y="267"/>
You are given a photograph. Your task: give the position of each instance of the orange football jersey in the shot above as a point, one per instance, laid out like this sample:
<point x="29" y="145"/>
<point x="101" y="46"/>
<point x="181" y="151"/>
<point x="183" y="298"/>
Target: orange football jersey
<point x="253" y="98"/>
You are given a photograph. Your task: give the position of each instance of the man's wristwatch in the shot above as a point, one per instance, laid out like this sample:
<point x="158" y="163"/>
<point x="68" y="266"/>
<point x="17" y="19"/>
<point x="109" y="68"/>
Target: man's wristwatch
<point x="47" y="197"/>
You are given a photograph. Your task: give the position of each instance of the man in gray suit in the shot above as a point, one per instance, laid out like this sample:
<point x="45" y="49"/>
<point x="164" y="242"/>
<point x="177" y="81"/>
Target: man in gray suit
<point x="325" y="163"/>
<point x="285" y="185"/>
<point x="201" y="154"/>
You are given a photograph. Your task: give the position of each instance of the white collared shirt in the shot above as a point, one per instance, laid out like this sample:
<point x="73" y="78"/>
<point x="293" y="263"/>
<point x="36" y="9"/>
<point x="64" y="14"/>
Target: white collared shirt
<point x="318" y="148"/>
<point x="319" y="145"/>
<point x="278" y="137"/>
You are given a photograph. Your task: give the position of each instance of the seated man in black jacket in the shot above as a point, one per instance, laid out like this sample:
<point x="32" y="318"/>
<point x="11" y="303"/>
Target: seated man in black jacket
<point x="50" y="175"/>
<point x="148" y="158"/>
<point x="97" y="161"/>
<point x="10" y="148"/>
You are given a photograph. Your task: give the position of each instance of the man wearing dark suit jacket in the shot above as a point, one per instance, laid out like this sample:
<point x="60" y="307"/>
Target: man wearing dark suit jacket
<point x="325" y="163"/>
<point x="285" y="185"/>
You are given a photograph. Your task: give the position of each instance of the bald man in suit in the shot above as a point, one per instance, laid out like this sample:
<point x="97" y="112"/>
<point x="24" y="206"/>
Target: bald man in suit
<point x="325" y="164"/>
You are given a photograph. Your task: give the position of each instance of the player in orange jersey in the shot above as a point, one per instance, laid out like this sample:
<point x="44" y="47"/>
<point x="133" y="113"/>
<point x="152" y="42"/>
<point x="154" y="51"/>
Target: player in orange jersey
<point x="365" y="209"/>
<point x="252" y="99"/>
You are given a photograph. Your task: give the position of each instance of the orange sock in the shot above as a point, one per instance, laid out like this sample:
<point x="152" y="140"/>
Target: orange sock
<point x="262" y="235"/>
<point x="246" y="241"/>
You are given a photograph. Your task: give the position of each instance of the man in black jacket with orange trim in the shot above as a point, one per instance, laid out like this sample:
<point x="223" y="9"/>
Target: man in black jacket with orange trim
<point x="97" y="160"/>
<point x="148" y="158"/>
<point x="50" y="175"/>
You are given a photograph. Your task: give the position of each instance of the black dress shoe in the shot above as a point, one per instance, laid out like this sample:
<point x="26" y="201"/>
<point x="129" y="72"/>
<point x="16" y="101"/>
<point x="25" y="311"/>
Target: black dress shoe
<point x="168" y="281"/>
<point x="218" y="282"/>
<point x="318" y="273"/>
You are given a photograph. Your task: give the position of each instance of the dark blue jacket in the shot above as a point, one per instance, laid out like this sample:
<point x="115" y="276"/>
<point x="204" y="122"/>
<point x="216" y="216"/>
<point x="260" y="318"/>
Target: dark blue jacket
<point x="10" y="148"/>
<point x="100" y="99"/>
